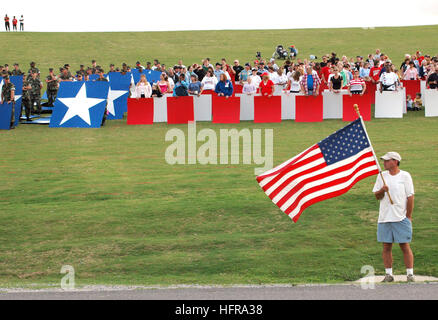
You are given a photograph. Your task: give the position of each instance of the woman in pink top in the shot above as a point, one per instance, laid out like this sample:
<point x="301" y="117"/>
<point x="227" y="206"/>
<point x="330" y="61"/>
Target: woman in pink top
<point x="164" y="83"/>
<point x="411" y="73"/>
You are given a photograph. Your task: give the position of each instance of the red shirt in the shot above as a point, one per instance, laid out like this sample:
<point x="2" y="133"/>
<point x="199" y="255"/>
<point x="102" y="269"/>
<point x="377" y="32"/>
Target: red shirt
<point x="14" y="22"/>
<point x="266" y="89"/>
<point x="374" y="73"/>
<point x="326" y="72"/>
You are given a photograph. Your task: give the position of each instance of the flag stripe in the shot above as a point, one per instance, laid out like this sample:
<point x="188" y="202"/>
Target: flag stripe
<point x="315" y="188"/>
<point x="284" y="164"/>
<point x="326" y="174"/>
<point x="296" y="215"/>
<point x="325" y="170"/>
<point x="304" y="165"/>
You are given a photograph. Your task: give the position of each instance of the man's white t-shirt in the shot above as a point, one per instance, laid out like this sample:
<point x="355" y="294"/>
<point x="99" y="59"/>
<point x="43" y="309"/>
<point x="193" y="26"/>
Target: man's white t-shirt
<point x="209" y="83"/>
<point x="389" y="79"/>
<point x="400" y="188"/>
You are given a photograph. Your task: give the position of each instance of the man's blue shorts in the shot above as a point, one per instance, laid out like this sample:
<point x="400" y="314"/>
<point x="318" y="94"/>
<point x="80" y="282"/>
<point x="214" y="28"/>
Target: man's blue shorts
<point x="395" y="232"/>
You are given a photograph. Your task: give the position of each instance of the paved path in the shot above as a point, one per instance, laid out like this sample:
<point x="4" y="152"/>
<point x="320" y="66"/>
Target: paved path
<point x="412" y="291"/>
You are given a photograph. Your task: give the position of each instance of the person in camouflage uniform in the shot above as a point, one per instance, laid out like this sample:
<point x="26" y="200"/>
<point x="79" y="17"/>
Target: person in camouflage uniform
<point x="6" y="71"/>
<point x="17" y="71"/>
<point x="64" y="76"/>
<point x="52" y="87"/>
<point x="94" y="67"/>
<point x="35" y="92"/>
<point x="26" y="102"/>
<point x="32" y="70"/>
<point x="8" y="96"/>
<point x="81" y="71"/>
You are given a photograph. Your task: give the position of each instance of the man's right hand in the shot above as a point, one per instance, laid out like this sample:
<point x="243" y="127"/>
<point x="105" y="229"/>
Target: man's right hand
<point x="384" y="189"/>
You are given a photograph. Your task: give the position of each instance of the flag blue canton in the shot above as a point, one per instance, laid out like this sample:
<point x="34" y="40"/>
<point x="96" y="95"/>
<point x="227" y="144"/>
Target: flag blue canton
<point x="152" y="76"/>
<point x="344" y="143"/>
<point x="118" y="94"/>
<point x="80" y="104"/>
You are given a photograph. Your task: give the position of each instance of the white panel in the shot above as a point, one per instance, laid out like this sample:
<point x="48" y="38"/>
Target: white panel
<point x="431" y="105"/>
<point x="288" y="106"/>
<point x="203" y="107"/>
<point x="423" y="91"/>
<point x="246" y="107"/>
<point x="160" y="108"/>
<point x="332" y="104"/>
<point x="389" y="104"/>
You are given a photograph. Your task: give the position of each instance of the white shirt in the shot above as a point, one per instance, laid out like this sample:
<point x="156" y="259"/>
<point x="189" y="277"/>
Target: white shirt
<point x="249" y="88"/>
<point x="294" y="85"/>
<point x="273" y="77"/>
<point x="209" y="83"/>
<point x="143" y="88"/>
<point x="389" y="79"/>
<point x="255" y="80"/>
<point x="400" y="188"/>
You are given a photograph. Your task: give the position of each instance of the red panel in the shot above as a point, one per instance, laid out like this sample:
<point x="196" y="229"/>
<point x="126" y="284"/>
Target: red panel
<point x="180" y="109"/>
<point x="412" y="87"/>
<point x="140" y="111"/>
<point x="371" y="91"/>
<point x="308" y="108"/>
<point x="364" y="104"/>
<point x="226" y="110"/>
<point x="267" y="109"/>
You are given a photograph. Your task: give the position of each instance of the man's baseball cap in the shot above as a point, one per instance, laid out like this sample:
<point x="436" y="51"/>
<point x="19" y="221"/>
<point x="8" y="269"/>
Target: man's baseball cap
<point x="391" y="156"/>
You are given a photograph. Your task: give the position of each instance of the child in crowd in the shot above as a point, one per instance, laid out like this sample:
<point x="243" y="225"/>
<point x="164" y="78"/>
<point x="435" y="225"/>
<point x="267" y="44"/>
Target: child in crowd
<point x="418" y="103"/>
<point x="409" y="103"/>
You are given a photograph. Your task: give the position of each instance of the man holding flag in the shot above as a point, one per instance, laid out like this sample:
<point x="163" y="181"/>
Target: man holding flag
<point x="395" y="191"/>
<point x="332" y="167"/>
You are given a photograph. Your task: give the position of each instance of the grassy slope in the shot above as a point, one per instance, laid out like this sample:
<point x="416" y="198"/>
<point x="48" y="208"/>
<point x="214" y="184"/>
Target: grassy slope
<point x="55" y="49"/>
<point x="106" y="202"/>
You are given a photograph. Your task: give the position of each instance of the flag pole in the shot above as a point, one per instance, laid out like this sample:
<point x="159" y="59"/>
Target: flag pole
<point x="356" y="107"/>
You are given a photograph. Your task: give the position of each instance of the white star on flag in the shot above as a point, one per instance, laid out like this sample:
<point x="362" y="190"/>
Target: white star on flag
<point x="114" y="95"/>
<point x="79" y="106"/>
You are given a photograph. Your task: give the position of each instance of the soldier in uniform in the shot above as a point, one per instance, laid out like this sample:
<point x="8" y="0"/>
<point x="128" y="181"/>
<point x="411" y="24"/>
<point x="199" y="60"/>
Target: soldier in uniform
<point x="64" y="75"/>
<point x="6" y="70"/>
<point x="35" y="92"/>
<point x="8" y="96"/>
<point x="32" y="70"/>
<point x="26" y="102"/>
<point x="112" y="68"/>
<point x="94" y="66"/>
<point x="81" y="71"/>
<point x="52" y="87"/>
<point x="100" y="72"/>
<point x="67" y="66"/>
<point x="17" y="71"/>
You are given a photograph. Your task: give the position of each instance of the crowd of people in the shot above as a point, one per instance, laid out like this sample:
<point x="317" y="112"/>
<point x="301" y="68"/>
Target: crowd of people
<point x="303" y="76"/>
<point x="14" y="23"/>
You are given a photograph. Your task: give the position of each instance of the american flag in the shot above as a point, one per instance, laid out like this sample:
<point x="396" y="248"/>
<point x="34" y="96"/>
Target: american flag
<point x="323" y="171"/>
